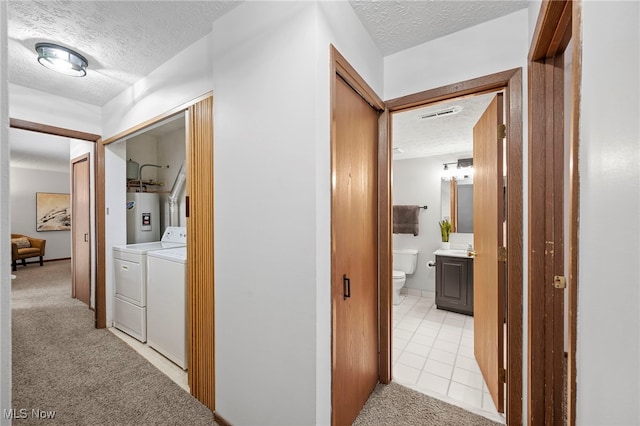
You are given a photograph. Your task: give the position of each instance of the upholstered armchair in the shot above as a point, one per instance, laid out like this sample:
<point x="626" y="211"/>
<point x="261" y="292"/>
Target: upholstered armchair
<point x="23" y="247"/>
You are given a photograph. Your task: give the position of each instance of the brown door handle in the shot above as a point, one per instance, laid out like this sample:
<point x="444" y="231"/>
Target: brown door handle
<point x="86" y="238"/>
<point x="346" y="287"/>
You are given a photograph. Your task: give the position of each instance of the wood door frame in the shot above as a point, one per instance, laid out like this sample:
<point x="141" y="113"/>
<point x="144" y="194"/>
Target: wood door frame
<point x="84" y="157"/>
<point x="200" y="299"/>
<point x="32" y="126"/>
<point x="558" y="23"/>
<point x="339" y="66"/>
<point x="46" y="129"/>
<point x="511" y="82"/>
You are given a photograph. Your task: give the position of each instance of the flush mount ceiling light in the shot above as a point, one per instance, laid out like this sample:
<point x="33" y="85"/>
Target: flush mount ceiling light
<point x="61" y="59"/>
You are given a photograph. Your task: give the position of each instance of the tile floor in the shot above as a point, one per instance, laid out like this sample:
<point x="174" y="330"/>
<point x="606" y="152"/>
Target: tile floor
<point x="433" y="354"/>
<point x="174" y="372"/>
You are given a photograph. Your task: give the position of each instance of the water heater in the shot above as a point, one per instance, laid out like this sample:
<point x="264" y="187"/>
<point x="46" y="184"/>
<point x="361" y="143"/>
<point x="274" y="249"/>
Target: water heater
<point x="143" y="217"/>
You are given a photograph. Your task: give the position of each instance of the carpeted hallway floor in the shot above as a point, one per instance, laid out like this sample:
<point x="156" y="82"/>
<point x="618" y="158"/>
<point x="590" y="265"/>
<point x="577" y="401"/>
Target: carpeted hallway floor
<point x="62" y="364"/>
<point x="397" y="405"/>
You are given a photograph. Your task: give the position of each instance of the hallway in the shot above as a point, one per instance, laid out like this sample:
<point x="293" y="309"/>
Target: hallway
<point x="67" y="370"/>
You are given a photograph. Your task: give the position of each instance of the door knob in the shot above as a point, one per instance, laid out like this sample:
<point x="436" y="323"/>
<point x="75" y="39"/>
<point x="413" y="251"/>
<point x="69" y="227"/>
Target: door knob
<point x="471" y="253"/>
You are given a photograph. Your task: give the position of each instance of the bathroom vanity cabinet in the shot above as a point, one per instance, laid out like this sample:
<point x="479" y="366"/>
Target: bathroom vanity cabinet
<point x="454" y="284"/>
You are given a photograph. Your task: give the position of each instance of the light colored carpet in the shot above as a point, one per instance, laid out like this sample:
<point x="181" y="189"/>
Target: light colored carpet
<point x="397" y="405"/>
<point x="62" y="363"/>
<point x="87" y="376"/>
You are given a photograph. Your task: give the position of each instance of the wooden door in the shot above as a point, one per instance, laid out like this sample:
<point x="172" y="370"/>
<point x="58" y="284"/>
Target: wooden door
<point x="81" y="230"/>
<point x="488" y="275"/>
<point x="355" y="253"/>
<point x="200" y="255"/>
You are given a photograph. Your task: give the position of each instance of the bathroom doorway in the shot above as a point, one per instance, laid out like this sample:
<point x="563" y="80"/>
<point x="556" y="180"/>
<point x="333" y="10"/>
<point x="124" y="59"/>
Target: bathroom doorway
<point x="433" y="349"/>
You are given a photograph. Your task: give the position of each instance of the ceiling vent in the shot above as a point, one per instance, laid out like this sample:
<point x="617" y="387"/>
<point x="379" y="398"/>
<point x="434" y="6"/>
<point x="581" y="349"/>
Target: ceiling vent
<point x="443" y="112"/>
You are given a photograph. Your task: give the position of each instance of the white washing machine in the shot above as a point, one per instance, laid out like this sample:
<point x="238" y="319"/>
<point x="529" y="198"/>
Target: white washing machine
<point x="130" y="276"/>
<point x="167" y="303"/>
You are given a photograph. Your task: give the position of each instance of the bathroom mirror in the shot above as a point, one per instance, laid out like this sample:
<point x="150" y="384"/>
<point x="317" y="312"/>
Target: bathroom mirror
<point x="462" y="215"/>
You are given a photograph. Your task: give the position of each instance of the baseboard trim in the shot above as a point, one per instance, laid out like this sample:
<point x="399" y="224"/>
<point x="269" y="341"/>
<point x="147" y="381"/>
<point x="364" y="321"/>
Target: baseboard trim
<point x="55" y="260"/>
<point x="220" y="420"/>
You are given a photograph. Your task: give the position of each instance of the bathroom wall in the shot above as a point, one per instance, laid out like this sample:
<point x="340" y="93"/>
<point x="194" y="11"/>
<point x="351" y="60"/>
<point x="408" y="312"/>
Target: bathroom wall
<point x="417" y="181"/>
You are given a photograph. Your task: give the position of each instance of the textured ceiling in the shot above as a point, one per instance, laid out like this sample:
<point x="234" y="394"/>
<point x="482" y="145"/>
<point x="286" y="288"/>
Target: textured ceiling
<point x="125" y="40"/>
<point x="122" y="40"/>
<point x="397" y="25"/>
<point x="451" y="134"/>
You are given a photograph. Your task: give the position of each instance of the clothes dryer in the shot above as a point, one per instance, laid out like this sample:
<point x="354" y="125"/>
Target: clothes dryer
<point x="167" y="303"/>
<point x="130" y="276"/>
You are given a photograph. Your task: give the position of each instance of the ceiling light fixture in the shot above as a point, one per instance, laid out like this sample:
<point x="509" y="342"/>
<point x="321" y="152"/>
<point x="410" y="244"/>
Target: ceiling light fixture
<point x="61" y="59"/>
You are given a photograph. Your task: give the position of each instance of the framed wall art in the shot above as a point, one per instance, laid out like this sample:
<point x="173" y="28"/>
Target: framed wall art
<point x="53" y="212"/>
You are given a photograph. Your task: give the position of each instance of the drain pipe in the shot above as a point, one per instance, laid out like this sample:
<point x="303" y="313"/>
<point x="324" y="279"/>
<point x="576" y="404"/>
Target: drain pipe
<point x="140" y="172"/>
<point x="178" y="184"/>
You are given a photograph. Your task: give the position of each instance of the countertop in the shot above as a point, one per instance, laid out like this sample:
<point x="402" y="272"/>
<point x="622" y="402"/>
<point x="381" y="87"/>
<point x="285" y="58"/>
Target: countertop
<point x="452" y="253"/>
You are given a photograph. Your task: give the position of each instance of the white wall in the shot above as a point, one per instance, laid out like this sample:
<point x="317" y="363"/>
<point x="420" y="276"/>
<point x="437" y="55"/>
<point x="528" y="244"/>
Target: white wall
<point x="265" y="214"/>
<point x="272" y="101"/>
<point x="5" y="233"/>
<point x="76" y="149"/>
<point x="417" y="181"/>
<point x="24" y="185"/>
<point x="608" y="350"/>
<point x="143" y="149"/>
<point x="494" y="46"/>
<point x="172" y="152"/>
<point x="176" y="82"/>
<point x="41" y="107"/>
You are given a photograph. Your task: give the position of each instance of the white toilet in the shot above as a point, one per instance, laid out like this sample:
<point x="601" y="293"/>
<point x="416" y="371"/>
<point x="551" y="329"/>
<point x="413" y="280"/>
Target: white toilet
<point x="404" y="262"/>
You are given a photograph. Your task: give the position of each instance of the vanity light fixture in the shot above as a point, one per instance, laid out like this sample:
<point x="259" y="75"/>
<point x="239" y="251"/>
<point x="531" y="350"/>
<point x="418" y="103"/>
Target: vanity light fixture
<point x="460" y="171"/>
<point x="61" y="59"/>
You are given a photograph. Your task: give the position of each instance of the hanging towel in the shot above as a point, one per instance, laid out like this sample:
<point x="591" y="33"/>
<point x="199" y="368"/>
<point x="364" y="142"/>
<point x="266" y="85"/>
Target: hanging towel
<point x="405" y="220"/>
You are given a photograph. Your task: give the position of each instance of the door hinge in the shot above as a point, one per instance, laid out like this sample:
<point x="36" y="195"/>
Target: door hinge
<point x="502" y="254"/>
<point x="559" y="281"/>
<point x="502" y="375"/>
<point x="502" y="131"/>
